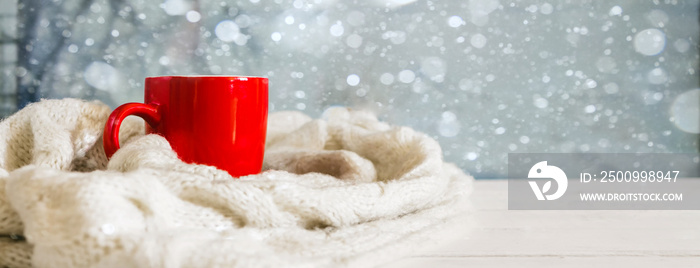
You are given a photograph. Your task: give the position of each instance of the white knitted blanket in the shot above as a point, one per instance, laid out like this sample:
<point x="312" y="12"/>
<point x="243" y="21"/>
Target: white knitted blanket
<point x="345" y="190"/>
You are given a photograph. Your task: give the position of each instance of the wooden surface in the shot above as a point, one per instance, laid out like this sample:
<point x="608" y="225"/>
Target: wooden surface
<point x="503" y="238"/>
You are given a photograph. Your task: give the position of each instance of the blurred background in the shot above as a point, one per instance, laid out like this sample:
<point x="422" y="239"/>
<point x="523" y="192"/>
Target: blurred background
<point x="483" y="77"/>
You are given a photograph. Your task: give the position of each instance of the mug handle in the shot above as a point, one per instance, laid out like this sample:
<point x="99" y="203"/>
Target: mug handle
<point x="110" y="138"/>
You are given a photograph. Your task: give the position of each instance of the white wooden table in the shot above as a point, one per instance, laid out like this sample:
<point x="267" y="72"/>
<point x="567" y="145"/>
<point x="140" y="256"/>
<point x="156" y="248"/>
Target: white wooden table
<point x="508" y="238"/>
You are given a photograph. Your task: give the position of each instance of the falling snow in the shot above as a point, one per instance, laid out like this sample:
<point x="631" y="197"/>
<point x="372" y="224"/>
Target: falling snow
<point x="407" y="76"/>
<point x="483" y="77"/>
<point x="590" y="109"/>
<point x="386" y="79"/>
<point x="448" y="125"/>
<point x="650" y="42"/>
<point x="176" y="7"/>
<point x="276" y="36"/>
<point x="434" y="68"/>
<point x="540" y="102"/>
<point x="657" y="76"/>
<point x="102" y="76"/>
<point x="478" y="40"/>
<point x="228" y="31"/>
<point x="354" y="41"/>
<point x="546" y="8"/>
<point x="337" y="29"/>
<point x="481" y="9"/>
<point x="615" y="11"/>
<point x="455" y="21"/>
<point x="193" y="16"/>
<point x="685" y="111"/>
<point x="353" y="80"/>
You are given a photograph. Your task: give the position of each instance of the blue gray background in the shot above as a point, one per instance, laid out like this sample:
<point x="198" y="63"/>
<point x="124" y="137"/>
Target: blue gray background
<point x="483" y="77"/>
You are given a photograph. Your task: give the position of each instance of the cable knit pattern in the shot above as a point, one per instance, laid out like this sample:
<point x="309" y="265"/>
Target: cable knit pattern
<point x="344" y="190"/>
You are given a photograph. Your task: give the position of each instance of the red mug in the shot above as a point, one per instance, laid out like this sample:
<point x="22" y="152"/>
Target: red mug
<point x="219" y="121"/>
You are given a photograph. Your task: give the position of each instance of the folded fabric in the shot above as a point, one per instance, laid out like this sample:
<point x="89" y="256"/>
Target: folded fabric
<point x="344" y="190"/>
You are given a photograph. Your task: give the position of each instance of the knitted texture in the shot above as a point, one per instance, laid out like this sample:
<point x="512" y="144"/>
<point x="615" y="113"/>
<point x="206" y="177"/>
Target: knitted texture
<point x="344" y="190"/>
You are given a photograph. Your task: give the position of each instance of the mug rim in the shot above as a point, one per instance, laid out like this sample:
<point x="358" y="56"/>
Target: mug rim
<point x="207" y="76"/>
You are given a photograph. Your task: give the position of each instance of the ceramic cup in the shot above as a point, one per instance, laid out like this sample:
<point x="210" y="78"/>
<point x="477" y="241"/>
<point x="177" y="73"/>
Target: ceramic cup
<point x="219" y="121"/>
